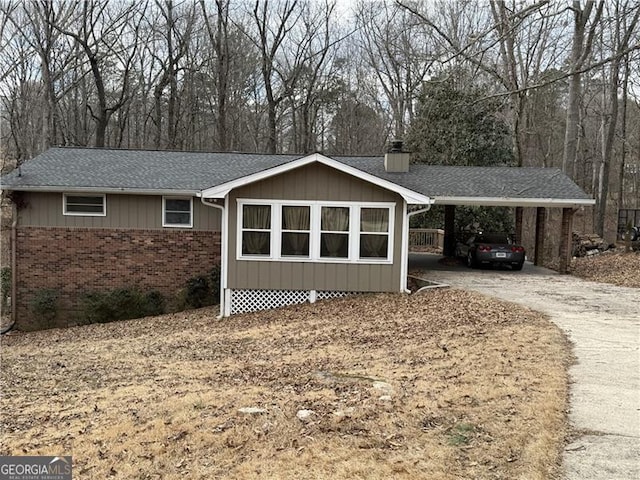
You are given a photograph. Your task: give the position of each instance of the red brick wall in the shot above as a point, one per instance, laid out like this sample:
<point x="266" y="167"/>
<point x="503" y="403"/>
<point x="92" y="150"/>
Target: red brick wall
<point x="77" y="260"/>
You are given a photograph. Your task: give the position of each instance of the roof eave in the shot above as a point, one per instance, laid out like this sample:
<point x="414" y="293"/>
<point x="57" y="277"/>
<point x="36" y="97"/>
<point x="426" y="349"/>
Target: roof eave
<point x="514" y="201"/>
<point x="112" y="190"/>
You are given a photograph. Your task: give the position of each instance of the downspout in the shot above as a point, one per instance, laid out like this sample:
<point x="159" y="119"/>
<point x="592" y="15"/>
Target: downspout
<point x="223" y="260"/>
<point x="14" y="236"/>
<point x="405" y="234"/>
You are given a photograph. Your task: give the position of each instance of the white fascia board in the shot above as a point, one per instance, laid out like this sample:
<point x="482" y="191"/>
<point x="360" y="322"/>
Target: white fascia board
<point x="514" y="202"/>
<point x="410" y="196"/>
<point x="111" y="190"/>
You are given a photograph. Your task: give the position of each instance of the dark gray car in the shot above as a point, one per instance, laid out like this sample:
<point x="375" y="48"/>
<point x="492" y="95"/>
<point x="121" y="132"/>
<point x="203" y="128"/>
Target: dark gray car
<point x="491" y="249"/>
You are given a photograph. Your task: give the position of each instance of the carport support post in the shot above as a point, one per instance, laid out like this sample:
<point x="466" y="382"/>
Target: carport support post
<point x="565" y="239"/>
<point x="541" y="217"/>
<point x="519" y="215"/>
<point x="449" y="249"/>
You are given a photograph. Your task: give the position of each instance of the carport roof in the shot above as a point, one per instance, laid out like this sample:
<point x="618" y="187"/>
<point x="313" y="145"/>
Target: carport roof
<point x="491" y="186"/>
<point x="170" y="172"/>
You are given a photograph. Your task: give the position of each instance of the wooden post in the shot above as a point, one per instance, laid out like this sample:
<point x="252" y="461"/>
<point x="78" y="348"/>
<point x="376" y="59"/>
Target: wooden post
<point x="541" y="217"/>
<point x="566" y="239"/>
<point x="449" y="249"/>
<point x="519" y="213"/>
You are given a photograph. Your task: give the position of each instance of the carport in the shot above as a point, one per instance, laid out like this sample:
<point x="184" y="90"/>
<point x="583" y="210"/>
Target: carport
<point x="516" y="187"/>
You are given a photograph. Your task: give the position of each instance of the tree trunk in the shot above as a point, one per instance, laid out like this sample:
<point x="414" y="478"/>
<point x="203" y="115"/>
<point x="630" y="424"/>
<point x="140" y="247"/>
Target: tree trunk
<point x="623" y="118"/>
<point x="580" y="51"/>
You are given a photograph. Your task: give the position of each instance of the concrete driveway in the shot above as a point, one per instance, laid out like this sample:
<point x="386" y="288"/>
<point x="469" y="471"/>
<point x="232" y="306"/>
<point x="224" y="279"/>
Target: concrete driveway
<point x="603" y="323"/>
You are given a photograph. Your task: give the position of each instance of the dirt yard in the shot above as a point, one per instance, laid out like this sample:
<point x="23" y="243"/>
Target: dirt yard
<point x="443" y="384"/>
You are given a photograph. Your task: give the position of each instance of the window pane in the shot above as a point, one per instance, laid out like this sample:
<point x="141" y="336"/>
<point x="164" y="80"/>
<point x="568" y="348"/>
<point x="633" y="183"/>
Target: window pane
<point x="335" y="219"/>
<point x="177" y="218"/>
<point x="295" y="218"/>
<point x="84" y="204"/>
<point x="256" y="216"/>
<point x="84" y="200"/>
<point x="374" y="220"/>
<point x="85" y="208"/>
<point x="374" y="246"/>
<point x="334" y="245"/>
<point x="256" y="243"/>
<point x="177" y="205"/>
<point x="295" y="244"/>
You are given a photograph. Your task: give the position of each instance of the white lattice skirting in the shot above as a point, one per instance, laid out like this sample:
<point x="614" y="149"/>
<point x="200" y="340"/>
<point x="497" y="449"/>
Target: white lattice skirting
<point x="245" y="301"/>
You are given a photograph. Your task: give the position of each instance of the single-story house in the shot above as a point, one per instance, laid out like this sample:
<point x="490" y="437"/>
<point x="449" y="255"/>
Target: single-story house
<point x="284" y="228"/>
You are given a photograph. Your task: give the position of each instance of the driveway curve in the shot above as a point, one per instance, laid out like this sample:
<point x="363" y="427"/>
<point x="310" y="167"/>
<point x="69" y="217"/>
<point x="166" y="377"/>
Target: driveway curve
<point x="603" y="323"/>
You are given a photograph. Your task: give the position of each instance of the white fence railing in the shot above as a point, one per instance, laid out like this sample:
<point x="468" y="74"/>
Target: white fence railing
<point x="425" y="237"/>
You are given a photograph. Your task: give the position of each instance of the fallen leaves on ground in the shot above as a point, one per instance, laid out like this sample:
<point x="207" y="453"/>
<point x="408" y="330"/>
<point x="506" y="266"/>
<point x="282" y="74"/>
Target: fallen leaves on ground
<point x="615" y="267"/>
<point x="444" y="384"/>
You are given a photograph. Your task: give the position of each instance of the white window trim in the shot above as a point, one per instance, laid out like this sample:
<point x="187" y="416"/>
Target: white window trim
<point x="84" y="214"/>
<point x="164" y="211"/>
<point x="314" y="240"/>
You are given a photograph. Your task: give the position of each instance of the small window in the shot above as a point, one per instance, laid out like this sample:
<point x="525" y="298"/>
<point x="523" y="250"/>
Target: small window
<point x="296" y="231"/>
<point x="84" y="205"/>
<point x="374" y="233"/>
<point x="177" y="212"/>
<point x="334" y="232"/>
<point x="256" y="230"/>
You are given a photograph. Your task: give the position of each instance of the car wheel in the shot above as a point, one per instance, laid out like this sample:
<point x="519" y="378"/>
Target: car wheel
<point x="517" y="266"/>
<point x="471" y="262"/>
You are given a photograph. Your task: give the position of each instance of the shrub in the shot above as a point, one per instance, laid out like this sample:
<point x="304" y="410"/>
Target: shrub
<point x="214" y="284"/>
<point x="44" y="304"/>
<point x="197" y="292"/>
<point x="120" y="304"/>
<point x="202" y="290"/>
<point x="154" y="303"/>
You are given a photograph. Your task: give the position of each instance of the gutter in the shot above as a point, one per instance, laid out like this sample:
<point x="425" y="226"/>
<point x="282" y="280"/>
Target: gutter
<point x="112" y="190"/>
<point x="514" y="201"/>
<point x="223" y="260"/>
<point x="405" y="245"/>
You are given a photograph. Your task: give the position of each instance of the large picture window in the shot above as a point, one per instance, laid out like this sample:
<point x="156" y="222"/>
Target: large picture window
<point x="315" y="231"/>
<point x="177" y="212"/>
<point x="84" y="205"/>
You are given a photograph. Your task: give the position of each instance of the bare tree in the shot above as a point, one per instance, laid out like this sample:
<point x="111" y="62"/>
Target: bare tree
<point x="104" y="34"/>
<point x="273" y="24"/>
<point x="220" y="41"/>
<point x="581" y="46"/>
<point x="621" y="34"/>
<point x="306" y="70"/>
<point x="399" y="52"/>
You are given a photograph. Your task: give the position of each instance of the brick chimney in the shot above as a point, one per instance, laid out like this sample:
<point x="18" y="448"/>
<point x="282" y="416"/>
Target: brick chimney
<point x="396" y="160"/>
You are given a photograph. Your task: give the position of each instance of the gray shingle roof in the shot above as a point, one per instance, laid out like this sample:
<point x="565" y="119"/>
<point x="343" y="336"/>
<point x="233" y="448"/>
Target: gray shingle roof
<point x="481" y="182"/>
<point x="144" y="170"/>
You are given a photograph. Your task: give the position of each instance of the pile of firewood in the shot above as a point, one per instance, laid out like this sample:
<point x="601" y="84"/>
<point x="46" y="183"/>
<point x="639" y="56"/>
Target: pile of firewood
<point x="585" y="244"/>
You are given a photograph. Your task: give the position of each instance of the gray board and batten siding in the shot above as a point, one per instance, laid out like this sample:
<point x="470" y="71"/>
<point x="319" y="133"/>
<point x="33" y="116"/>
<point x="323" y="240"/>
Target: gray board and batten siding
<point x="124" y="211"/>
<point x="314" y="182"/>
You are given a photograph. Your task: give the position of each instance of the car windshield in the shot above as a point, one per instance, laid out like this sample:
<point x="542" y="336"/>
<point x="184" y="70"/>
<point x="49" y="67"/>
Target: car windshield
<point x="493" y="238"/>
